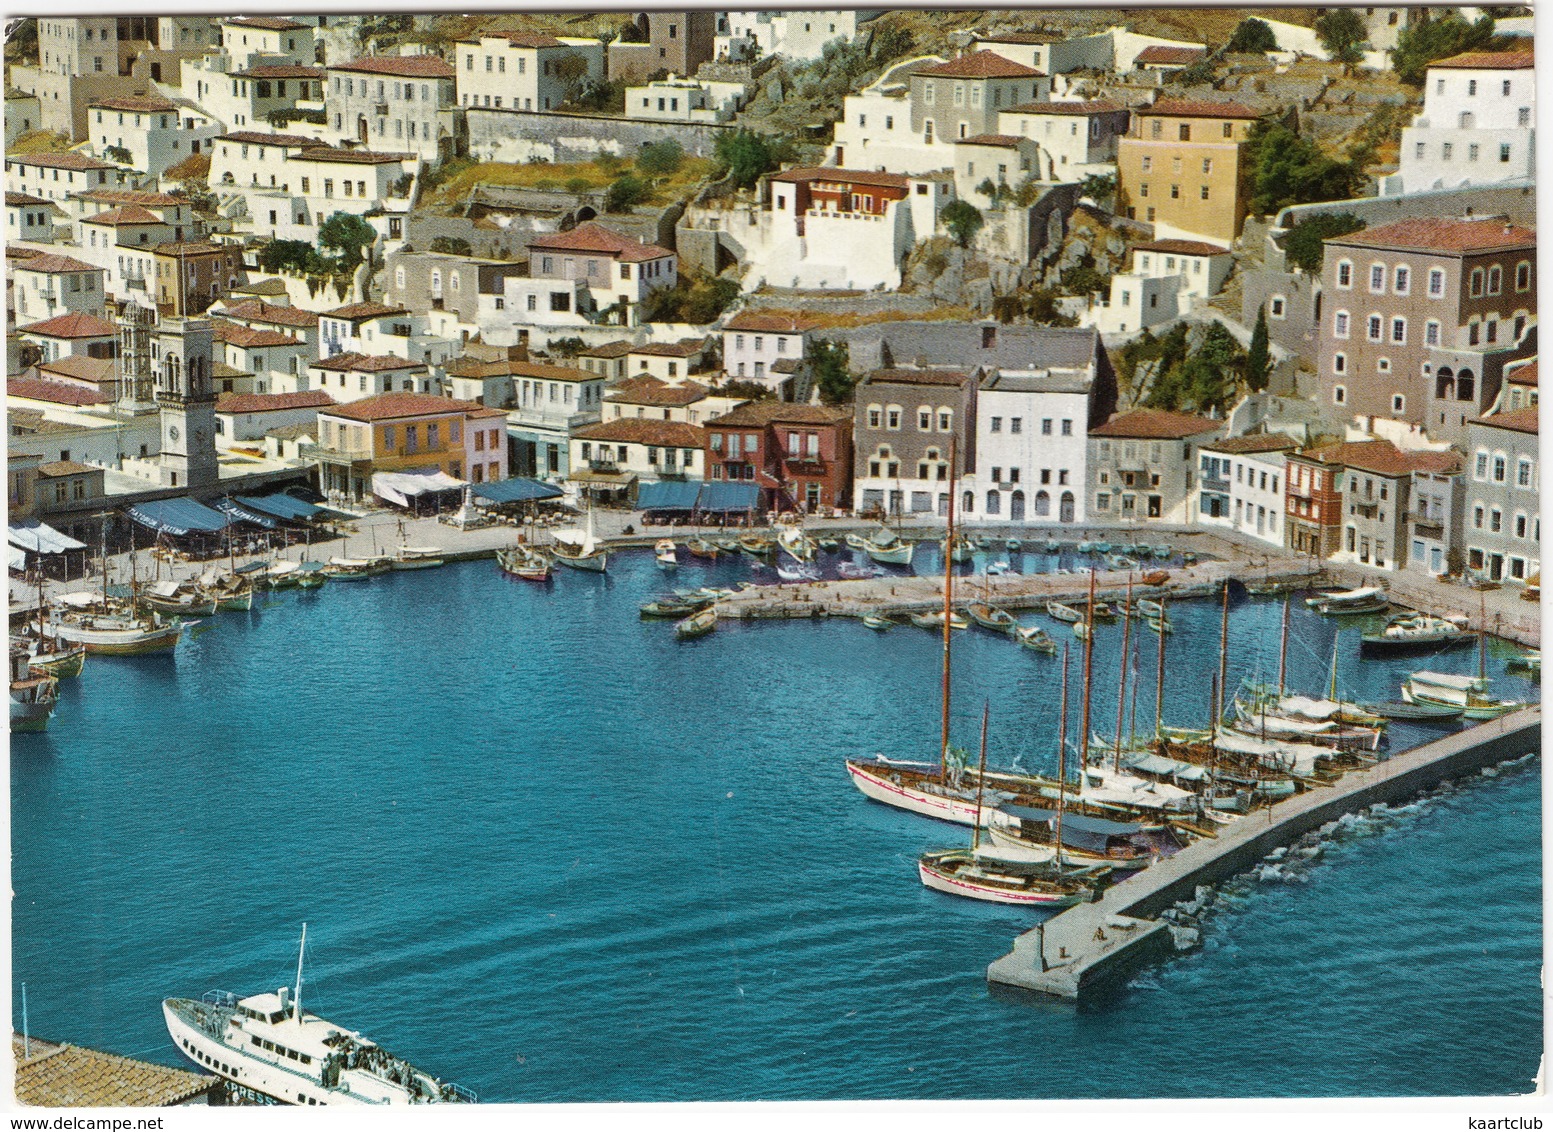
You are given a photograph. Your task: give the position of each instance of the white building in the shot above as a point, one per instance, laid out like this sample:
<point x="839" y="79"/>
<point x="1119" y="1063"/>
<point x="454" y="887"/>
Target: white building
<point x="277" y="361"/>
<point x="685" y="100"/>
<point x="148" y="133"/>
<point x="1241" y="485"/>
<point x="797" y="35"/>
<point x="23" y="114"/>
<point x="1168" y="279"/>
<point x="526" y="72"/>
<point x="30" y="219"/>
<point x="1051" y="53"/>
<point x="1076" y="138"/>
<point x="646" y="449"/>
<point x="351" y="377"/>
<point x="395" y="102"/>
<point x="1032" y="432"/>
<point x="55" y="176"/>
<point x="266" y="39"/>
<point x="1477" y="127"/>
<point x="43" y="286"/>
<point x="1003" y="159"/>
<point x="244" y="98"/>
<point x="754" y="343"/>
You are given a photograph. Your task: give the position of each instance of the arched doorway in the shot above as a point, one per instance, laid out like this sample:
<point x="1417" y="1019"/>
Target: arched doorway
<point x="1016" y="506"/>
<point x="1043" y="504"/>
<point x="994" y="504"/>
<point x="1445" y="384"/>
<point x="1066" y="507"/>
<point x="361" y="129"/>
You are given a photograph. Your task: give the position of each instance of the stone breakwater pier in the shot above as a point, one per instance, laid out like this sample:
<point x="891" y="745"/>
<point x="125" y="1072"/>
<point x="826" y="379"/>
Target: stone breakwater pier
<point x="1092" y="945"/>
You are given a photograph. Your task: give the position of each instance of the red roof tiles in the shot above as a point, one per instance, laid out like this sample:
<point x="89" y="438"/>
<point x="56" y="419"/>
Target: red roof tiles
<point x="247" y="338"/>
<point x="128" y="214"/>
<point x="280" y="71"/>
<point x="1181" y="247"/>
<point x="1159" y="54"/>
<point x="35" y="389"/>
<point x="143" y="104"/>
<point x="358" y="311"/>
<point x="648" y="390"/>
<point x="1489" y="61"/>
<point x="365" y="363"/>
<point x="769" y="323"/>
<point x="1516" y="420"/>
<point x="1438" y="234"/>
<point x="1199" y="108"/>
<point x="265" y="23"/>
<point x="757" y="414"/>
<point x="390" y="406"/>
<point x="254" y="137"/>
<point x="55" y="264"/>
<point x="631" y="430"/>
<point x="1383" y="458"/>
<point x="257" y="310"/>
<point x="876" y="177"/>
<point x="593" y="237"/>
<point x="1156" y="424"/>
<point x="272" y="402"/>
<point x="405" y="66"/>
<point x="998" y="141"/>
<point x="75" y="325"/>
<point x="1097" y="106"/>
<point x="979" y="65"/>
<point x="59" y="160"/>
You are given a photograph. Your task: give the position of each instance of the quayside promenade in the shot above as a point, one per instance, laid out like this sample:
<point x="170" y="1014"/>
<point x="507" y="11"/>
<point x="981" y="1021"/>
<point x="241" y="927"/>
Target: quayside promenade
<point x="1092" y="945"/>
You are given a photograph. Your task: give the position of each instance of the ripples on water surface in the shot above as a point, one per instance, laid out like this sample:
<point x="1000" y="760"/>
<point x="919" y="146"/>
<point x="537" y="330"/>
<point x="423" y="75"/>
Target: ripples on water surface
<point x="549" y="852"/>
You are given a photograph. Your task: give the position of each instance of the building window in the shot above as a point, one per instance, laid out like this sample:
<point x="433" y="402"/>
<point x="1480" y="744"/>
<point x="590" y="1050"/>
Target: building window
<point x="1339" y="363"/>
<point x="1499" y="469"/>
<point x="1339" y="395"/>
<point x="1375" y="328"/>
<point x="997" y="424"/>
<point x="1504" y="153"/>
<point x="1399" y="331"/>
<point x="1436" y="283"/>
<point x="1344" y="274"/>
<point x="1523" y="276"/>
<point x="1377" y="278"/>
<point x="1275" y="308"/>
<point x="1432" y="333"/>
<point x="1400" y="280"/>
<point x="1495" y="280"/>
<point x="1477" y="282"/>
<point x="1340" y="324"/>
<point x="1398" y="403"/>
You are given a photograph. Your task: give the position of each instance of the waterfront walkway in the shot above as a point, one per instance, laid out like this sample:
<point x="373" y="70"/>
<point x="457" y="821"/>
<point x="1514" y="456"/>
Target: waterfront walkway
<point x="1097" y="943"/>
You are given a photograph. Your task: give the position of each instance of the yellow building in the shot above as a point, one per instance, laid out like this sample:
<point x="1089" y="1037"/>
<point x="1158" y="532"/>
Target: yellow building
<point x="1182" y="170"/>
<point x="408" y="432"/>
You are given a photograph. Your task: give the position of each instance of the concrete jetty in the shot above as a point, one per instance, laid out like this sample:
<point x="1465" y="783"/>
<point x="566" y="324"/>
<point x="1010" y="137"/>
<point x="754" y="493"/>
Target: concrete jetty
<point x="1094" y="944"/>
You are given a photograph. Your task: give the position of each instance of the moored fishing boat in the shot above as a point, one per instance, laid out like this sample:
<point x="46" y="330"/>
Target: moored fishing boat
<point x="1102" y="547"/>
<point x="1061" y="612"/>
<point x="580" y="549"/>
<point x="50" y="657"/>
<point x="857" y="541"/>
<point x="1082" y="631"/>
<point x="340" y="569"/>
<point x="524" y="561"/>
<point x="935" y="620"/>
<point x="1013" y="544"/>
<point x="963" y="872"/>
<point x="1086" y="546"/>
<point x="283" y="575"/>
<point x="793" y="542"/>
<point x="1414" y="632"/>
<point x="852" y="571"/>
<point x="311" y="575"/>
<point x="1348" y="603"/>
<point x="879" y="622"/>
<point x="989" y="617"/>
<point x="1163" y="551"/>
<point x="115" y="632"/>
<point x="1469" y="693"/>
<point x="1147" y="608"/>
<point x="1053" y="546"/>
<point x="702" y="548"/>
<point x="417" y="557"/>
<point x="963" y="549"/>
<point x="1125" y="846"/>
<point x="268" y="1044"/>
<point x="829" y="544"/>
<point x="1416" y="713"/>
<point x="1529" y="662"/>
<point x="696" y="625"/>
<point x="663" y="553"/>
<point x="182" y="599"/>
<point x="33" y="694"/>
<point x="1160" y="624"/>
<point x="888" y="547"/>
<point x="1036" y="638"/>
<point x="663" y="607"/>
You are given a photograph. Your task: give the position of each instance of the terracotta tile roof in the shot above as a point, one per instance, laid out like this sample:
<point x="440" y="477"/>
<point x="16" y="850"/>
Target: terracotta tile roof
<point x="1440" y="234"/>
<point x="246" y="337"/>
<point x="270" y="402"/>
<point x="36" y="389"/>
<point x="83" y="368"/>
<point x="484" y="412"/>
<point x="53" y="469"/>
<point x="1523" y="375"/>
<point x="608" y="350"/>
<point x="317" y="151"/>
<point x="23" y="199"/>
<point x="389" y="406"/>
<point x="409" y="66"/>
<point x="979" y="65"/>
<point x="63" y="1076"/>
<point x="126" y="214"/>
<point x="1382" y="458"/>
<point x="1199" y="108"/>
<point x="1516" y="420"/>
<point x="280" y="71"/>
<point x="139" y="103"/>
<point x="756" y="414"/>
<point x="265" y="23"/>
<point x="194" y="247"/>
<point x="662" y="434"/>
<point x="876" y="177"/>
<point x="257" y="310"/>
<point x="129" y="196"/>
<point x="1156" y="424"/>
<point x="75" y="325"/>
<point x="1096" y="106"/>
<point x="1489" y="61"/>
<point x="1160" y="54"/>
<point x="1250" y="445"/>
<point x="1001" y="141"/>
<point x="544" y="372"/>
<point x="365" y="363"/>
<point x="257" y="137"/>
<point x="356" y="311"/>
<point x="769" y="323"/>
<point x="684" y="348"/>
<point x="647" y="390"/>
<point x="593" y="237"/>
<point x="59" y="160"/>
<point x="1181" y="247"/>
<point x="55" y="264"/>
<point x="909" y="375"/>
<point x="221" y="369"/>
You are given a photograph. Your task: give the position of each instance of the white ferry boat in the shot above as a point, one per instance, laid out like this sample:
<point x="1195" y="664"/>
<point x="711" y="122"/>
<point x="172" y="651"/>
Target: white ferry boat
<point x="268" y="1044"/>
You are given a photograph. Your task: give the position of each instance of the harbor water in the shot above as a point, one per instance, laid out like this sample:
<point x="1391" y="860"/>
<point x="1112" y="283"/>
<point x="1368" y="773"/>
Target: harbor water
<point x="549" y="852"/>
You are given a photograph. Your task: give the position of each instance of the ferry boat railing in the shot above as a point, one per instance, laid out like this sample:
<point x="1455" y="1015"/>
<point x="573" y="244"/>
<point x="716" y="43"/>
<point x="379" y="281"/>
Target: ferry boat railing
<point x="459" y="1093"/>
<point x="219" y="998"/>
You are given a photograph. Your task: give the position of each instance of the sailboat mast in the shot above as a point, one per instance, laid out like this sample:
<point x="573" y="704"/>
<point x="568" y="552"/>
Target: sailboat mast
<point x="301" y="950"/>
<point x="1159" y="675"/>
<point x="1062" y="759"/>
<point x="1132" y="723"/>
<point x="1283" y="647"/>
<point x="1089" y="658"/>
<point x="943" y="739"/>
<point x="1223" y="654"/>
<point x="981" y="774"/>
<point x="1121" y="687"/>
<point x="1482" y="637"/>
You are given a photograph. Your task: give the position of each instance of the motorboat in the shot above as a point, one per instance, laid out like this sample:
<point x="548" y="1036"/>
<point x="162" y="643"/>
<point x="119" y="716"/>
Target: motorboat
<point x="697" y="625"/>
<point x="417" y="557"/>
<point x="879" y="622"/>
<point x="989" y="617"/>
<point x="33" y="694"/>
<point x="1036" y="638"/>
<point x="1061" y="612"/>
<point x="889" y="548"/>
<point x="664" y="555"/>
<point x="1345" y="603"/>
<point x="1415" y="632"/>
<point x="524" y="561"/>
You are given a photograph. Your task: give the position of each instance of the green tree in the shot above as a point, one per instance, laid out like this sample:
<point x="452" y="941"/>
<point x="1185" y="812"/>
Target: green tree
<point x="283" y="255"/>
<point x="566" y="347"/>
<point x="1288" y="169"/>
<point x="1422" y="43"/>
<point x="963" y="220"/>
<point x="1098" y="187"/>
<point x="451" y="245"/>
<point x="571" y="69"/>
<point x="1303" y="246"/>
<point x="1259" y="362"/>
<point x="1343" y="34"/>
<point x="1252" y="37"/>
<point x="747" y="155"/>
<point x="832" y="364"/>
<point x="1085" y="280"/>
<point x="119" y="154"/>
<point x="660" y="159"/>
<point x="625" y="193"/>
<point x="347" y="234"/>
<point x="748" y="390"/>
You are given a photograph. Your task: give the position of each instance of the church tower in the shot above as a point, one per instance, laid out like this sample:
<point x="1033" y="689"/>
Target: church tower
<point x="185" y="394"/>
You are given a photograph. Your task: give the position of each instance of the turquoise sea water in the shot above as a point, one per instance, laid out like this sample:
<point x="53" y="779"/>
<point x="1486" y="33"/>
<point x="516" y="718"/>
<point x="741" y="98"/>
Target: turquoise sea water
<point x="548" y="852"/>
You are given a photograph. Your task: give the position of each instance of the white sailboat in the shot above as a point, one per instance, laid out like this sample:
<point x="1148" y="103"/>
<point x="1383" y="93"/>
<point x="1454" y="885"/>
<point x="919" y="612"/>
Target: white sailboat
<point x="580" y="549"/>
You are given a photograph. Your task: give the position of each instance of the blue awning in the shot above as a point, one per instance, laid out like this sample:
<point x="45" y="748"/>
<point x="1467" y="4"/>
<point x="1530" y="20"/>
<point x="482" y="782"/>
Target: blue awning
<point x="177" y="516"/>
<point x="668" y="495"/>
<point x="241" y="514"/>
<point x="281" y="505"/>
<point x="516" y="490"/>
<point x="727" y="497"/>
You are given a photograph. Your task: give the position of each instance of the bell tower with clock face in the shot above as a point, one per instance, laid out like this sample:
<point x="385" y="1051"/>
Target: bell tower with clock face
<point x="183" y="357"/>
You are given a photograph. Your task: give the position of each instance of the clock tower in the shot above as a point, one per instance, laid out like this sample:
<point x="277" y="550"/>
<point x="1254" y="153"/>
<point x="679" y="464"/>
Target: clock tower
<point x="183" y="355"/>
